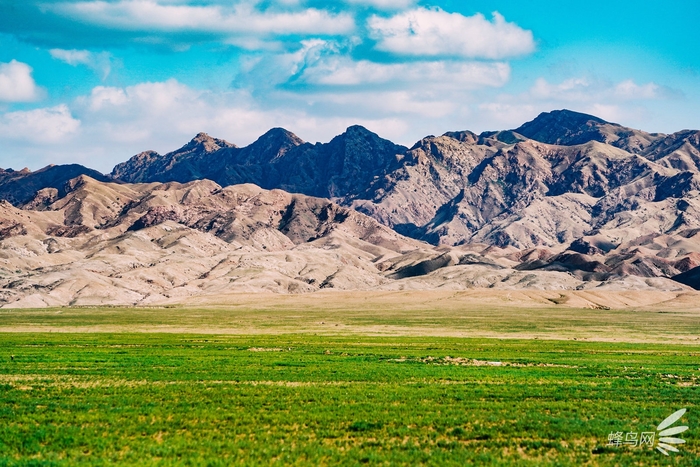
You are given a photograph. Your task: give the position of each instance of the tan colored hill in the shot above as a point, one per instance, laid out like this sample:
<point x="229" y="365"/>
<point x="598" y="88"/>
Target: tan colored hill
<point x="109" y="243"/>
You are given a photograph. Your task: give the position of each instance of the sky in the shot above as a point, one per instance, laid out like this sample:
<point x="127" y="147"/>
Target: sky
<point x="96" y="81"/>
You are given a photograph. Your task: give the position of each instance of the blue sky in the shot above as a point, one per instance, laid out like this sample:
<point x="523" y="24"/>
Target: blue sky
<point x="96" y="81"/>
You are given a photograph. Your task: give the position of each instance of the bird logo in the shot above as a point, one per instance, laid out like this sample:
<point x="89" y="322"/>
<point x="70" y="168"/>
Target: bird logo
<point x="665" y="433"/>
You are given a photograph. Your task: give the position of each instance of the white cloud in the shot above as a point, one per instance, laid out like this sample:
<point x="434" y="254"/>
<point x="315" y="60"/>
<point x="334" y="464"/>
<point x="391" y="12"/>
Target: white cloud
<point x="436" y="74"/>
<point x="434" y="32"/>
<point x="384" y="4"/>
<point x="574" y="89"/>
<point x="608" y="112"/>
<point x="630" y="90"/>
<point x="71" y="57"/>
<point x="168" y="113"/>
<point x="508" y="114"/>
<point x="42" y="126"/>
<point x="586" y="90"/>
<point x="98" y="62"/>
<point x="328" y="63"/>
<point x="404" y="105"/>
<point x="149" y="16"/>
<point x="144" y="111"/>
<point x="102" y="96"/>
<point x="17" y="84"/>
<point x="322" y="78"/>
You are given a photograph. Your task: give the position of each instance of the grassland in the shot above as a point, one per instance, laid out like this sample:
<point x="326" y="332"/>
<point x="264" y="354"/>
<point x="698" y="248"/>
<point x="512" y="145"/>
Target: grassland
<point x="625" y="317"/>
<point x="344" y="383"/>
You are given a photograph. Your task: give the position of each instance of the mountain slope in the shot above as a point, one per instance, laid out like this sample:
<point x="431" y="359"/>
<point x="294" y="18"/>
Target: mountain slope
<point x="108" y="243"/>
<point x="19" y="187"/>
<point x="568" y="128"/>
<point x="124" y="243"/>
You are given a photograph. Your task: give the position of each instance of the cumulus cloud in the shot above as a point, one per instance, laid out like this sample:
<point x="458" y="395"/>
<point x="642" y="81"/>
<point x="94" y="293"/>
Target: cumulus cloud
<point x="17" y="84"/>
<point x="47" y="125"/>
<point x="141" y="112"/>
<point x="102" y="96"/>
<point x="98" y="62"/>
<point x="435" y="32"/>
<point x="149" y="16"/>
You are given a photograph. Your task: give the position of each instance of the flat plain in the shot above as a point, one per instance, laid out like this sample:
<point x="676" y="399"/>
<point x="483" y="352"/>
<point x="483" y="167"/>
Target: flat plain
<point x="410" y="378"/>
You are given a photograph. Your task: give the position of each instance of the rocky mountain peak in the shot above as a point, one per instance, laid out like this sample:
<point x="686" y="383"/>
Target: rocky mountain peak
<point x="357" y="136"/>
<point x="208" y="144"/>
<point x="280" y="134"/>
<point x="563" y="119"/>
<point x="359" y="133"/>
<point x="359" y="130"/>
<point x="274" y="143"/>
<point x="564" y="127"/>
<point x="465" y="136"/>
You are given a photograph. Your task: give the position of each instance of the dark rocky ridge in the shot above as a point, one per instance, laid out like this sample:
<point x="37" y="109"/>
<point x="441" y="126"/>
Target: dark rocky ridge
<point x="278" y="159"/>
<point x="568" y="128"/>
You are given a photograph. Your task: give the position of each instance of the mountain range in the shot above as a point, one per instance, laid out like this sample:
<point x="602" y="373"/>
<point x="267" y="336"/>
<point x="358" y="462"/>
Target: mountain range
<point x="568" y="195"/>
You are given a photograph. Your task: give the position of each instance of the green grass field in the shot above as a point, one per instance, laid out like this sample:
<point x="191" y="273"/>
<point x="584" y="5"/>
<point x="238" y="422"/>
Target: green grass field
<point x="328" y="398"/>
